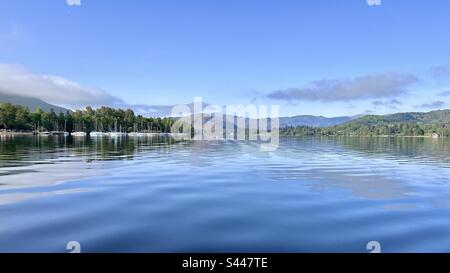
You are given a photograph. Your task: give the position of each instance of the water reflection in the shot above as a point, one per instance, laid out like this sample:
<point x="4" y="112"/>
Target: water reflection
<point x="41" y="161"/>
<point x="26" y="150"/>
<point x="17" y="197"/>
<point x="164" y="194"/>
<point x="363" y="164"/>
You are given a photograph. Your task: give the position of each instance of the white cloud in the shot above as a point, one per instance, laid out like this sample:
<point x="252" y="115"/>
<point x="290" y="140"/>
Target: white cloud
<point x="433" y="105"/>
<point x="444" y="93"/>
<point x="17" y="80"/>
<point x="440" y="72"/>
<point x="392" y="104"/>
<point x="364" y="87"/>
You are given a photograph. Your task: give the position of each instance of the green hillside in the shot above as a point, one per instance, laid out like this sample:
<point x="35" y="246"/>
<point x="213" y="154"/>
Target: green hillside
<point x="400" y="124"/>
<point x="439" y="116"/>
<point x="31" y="103"/>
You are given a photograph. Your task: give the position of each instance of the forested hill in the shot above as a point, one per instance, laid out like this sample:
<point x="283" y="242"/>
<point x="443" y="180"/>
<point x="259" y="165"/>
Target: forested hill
<point x="433" y="117"/>
<point x="31" y="103"/>
<point x="313" y="121"/>
<point x="400" y="124"/>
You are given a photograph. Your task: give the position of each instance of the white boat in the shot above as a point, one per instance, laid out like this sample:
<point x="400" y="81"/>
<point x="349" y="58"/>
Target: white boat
<point x="44" y="133"/>
<point x="116" y="134"/>
<point x="79" y="134"/>
<point x="96" y="134"/>
<point x="136" y="134"/>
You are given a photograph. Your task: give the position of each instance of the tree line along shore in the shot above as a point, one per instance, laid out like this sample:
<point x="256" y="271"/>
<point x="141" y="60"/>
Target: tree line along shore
<point x="16" y="119"/>
<point x="409" y="129"/>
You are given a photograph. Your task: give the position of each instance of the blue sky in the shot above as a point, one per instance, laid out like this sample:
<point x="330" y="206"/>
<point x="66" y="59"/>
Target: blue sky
<point x="321" y="57"/>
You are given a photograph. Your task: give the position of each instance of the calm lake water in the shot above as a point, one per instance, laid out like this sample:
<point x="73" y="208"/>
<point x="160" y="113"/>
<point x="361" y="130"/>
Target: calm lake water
<point x="161" y="195"/>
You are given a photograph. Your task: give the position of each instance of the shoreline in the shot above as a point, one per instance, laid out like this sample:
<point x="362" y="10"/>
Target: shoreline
<point x="58" y="133"/>
<point x="384" y="136"/>
<point x="16" y="133"/>
<point x="31" y="133"/>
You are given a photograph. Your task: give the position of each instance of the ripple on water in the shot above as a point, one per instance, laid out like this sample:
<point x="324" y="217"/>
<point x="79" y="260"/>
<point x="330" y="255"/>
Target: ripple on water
<point x="159" y="195"/>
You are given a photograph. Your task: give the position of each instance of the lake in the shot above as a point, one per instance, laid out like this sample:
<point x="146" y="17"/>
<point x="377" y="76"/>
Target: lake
<point x="158" y="194"/>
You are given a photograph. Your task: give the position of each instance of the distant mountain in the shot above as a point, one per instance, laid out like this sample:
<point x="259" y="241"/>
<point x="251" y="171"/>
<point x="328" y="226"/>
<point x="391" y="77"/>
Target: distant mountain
<point x="313" y="121"/>
<point x="158" y="111"/>
<point x="31" y="103"/>
<point x="300" y="120"/>
<point x="433" y="117"/>
<point x="284" y="122"/>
